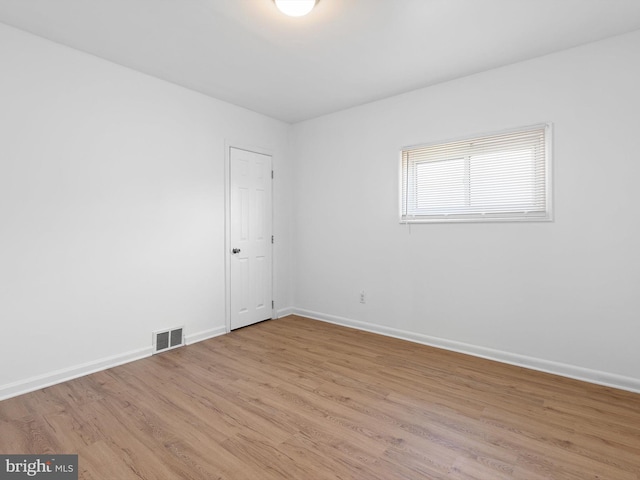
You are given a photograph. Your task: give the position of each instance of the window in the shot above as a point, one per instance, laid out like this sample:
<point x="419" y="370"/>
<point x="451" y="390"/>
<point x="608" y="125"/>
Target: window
<point x="500" y="177"/>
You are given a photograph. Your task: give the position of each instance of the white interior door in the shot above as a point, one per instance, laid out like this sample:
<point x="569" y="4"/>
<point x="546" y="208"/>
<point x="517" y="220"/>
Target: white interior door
<point x="250" y="248"/>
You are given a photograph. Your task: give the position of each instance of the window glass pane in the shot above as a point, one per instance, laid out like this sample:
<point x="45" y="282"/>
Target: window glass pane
<point x="440" y="186"/>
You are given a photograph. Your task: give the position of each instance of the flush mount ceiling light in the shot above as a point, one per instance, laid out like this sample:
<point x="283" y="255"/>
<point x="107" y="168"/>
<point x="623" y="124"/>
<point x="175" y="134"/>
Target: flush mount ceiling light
<point x="295" y="8"/>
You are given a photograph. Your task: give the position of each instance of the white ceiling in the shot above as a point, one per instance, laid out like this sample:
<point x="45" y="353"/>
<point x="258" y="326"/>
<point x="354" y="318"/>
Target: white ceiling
<point x="345" y="53"/>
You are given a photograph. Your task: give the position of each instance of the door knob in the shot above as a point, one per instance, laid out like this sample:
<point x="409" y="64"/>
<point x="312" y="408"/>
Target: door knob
<point x="235" y="250"/>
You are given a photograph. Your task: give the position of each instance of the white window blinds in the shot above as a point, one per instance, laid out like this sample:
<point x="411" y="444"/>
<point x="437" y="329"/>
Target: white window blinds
<point x="504" y="176"/>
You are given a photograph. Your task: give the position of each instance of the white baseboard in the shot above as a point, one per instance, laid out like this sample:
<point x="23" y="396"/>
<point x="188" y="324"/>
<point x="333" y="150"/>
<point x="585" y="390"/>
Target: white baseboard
<point x="65" y="374"/>
<point x="533" y="363"/>
<point x="283" y="312"/>
<point x="205" y="335"/>
<point x="557" y="368"/>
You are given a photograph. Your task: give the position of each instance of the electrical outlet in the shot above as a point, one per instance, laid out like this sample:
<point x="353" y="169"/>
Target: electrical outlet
<point x="363" y="298"/>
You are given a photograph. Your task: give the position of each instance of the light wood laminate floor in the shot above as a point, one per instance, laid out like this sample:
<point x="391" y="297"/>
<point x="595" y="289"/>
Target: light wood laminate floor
<point x="299" y="399"/>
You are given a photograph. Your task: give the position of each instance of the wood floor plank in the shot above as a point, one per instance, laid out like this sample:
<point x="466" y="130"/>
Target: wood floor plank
<point x="300" y="399"/>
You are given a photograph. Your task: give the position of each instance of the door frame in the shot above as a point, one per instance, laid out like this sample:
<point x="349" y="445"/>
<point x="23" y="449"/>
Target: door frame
<point x="228" y="145"/>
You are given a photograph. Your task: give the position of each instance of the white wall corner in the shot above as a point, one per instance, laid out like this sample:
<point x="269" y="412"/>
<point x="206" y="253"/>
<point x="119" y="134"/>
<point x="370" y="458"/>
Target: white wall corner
<point x="284" y="312"/>
<point x="556" y="368"/>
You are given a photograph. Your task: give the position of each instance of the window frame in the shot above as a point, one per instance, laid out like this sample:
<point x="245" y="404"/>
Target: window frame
<point x="546" y="216"/>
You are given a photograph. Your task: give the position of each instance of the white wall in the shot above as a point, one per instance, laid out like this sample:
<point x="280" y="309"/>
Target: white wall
<point x="112" y="215"/>
<point x="112" y="210"/>
<point x="561" y="296"/>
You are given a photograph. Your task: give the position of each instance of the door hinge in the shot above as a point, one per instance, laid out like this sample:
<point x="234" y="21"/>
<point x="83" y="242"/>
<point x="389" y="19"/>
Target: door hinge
<point x="273" y="304"/>
<point x="271" y="238"/>
<point x="272" y="174"/>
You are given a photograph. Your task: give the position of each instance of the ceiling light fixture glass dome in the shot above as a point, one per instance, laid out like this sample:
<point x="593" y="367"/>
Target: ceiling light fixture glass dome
<point x="295" y="8"/>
